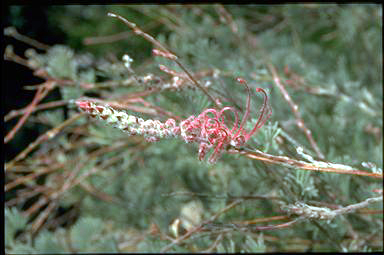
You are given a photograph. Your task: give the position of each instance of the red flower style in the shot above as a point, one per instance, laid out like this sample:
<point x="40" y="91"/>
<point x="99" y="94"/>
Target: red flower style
<point x="210" y="129"/>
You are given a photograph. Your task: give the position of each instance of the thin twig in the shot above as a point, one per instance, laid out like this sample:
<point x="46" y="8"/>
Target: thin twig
<point x="25" y="178"/>
<point x="114" y="37"/>
<point x="72" y="181"/>
<point x="44" y="137"/>
<point x="354" y="207"/>
<point x="226" y="17"/>
<point x="273" y="227"/>
<point x="302" y="165"/>
<point x="99" y="194"/>
<point x="11" y="56"/>
<point x="14" y="113"/>
<point x="295" y="108"/>
<point x="25" y="194"/>
<point x="215" y="244"/>
<point x="106" y="39"/>
<point x="149" y="38"/>
<point x="43" y="200"/>
<point x="330" y="235"/>
<point x="227" y="196"/>
<point x="65" y="218"/>
<point x="273" y="218"/>
<point x="248" y="228"/>
<point x="199" y="227"/>
<point x="297" y="82"/>
<point x="43" y="216"/>
<point x="40" y="94"/>
<point x="12" y="32"/>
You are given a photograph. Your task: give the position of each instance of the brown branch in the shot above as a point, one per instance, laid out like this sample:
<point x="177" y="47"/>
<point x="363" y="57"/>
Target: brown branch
<point x="99" y="194"/>
<point x="199" y="227"/>
<point x="40" y="94"/>
<point x="248" y="228"/>
<point x="44" y="137"/>
<point x="51" y="168"/>
<point x="11" y="56"/>
<point x="14" y="113"/>
<point x="36" y="206"/>
<point x="43" y="216"/>
<point x="295" y="110"/>
<point x="273" y="227"/>
<point x="25" y="194"/>
<point x="226" y="17"/>
<point x="273" y="218"/>
<point x="25" y="178"/>
<point x="297" y="82"/>
<point x="156" y="43"/>
<point x="227" y="196"/>
<point x="106" y="39"/>
<point x="12" y="32"/>
<point x="302" y="165"/>
<point x="71" y="180"/>
<point x="62" y="219"/>
<point x="215" y="244"/>
<point x="324" y="213"/>
<point x="354" y="207"/>
<point x="114" y="37"/>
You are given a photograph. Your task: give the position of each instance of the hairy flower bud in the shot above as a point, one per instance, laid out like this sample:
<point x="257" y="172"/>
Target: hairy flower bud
<point x="152" y="130"/>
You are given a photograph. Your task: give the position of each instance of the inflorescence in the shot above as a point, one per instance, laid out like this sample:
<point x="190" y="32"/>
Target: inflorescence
<point x="209" y="128"/>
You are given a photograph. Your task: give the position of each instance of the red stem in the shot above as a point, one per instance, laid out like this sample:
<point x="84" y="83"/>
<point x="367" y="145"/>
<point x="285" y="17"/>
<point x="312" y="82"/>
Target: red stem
<point x="261" y="120"/>
<point x="248" y="106"/>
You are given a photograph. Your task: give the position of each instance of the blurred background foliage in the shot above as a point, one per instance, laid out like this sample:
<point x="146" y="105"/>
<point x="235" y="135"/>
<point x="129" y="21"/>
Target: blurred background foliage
<point x="330" y="57"/>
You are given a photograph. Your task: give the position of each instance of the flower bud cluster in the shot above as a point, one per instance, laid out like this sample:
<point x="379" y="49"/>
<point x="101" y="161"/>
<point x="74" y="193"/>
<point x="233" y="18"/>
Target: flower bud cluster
<point x="191" y="129"/>
<point x="152" y="130"/>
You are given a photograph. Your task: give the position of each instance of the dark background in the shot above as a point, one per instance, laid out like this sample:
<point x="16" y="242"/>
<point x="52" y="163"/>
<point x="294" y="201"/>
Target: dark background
<point x="31" y="21"/>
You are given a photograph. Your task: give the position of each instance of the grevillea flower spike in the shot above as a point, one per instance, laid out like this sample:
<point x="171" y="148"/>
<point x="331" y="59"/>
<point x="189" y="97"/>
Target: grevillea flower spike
<point x="209" y="128"/>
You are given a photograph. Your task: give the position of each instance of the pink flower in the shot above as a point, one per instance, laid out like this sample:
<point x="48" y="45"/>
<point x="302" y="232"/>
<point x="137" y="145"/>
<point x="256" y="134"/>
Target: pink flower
<point x="209" y="129"/>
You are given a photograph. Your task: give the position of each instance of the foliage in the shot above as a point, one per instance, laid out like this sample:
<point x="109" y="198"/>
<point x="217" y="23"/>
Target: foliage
<point x="122" y="193"/>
